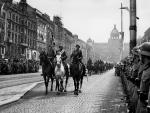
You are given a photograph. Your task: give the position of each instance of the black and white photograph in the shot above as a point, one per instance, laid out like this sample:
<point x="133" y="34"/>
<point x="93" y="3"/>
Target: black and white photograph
<point x="74" y="56"/>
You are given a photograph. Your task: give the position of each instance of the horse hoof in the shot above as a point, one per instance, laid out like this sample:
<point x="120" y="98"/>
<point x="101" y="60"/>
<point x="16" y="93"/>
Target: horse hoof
<point x="65" y="90"/>
<point x="80" y="91"/>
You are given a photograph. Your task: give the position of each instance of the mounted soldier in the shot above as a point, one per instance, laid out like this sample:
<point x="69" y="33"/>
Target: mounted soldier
<point x="77" y="69"/>
<point x="62" y="52"/>
<point x="77" y="56"/>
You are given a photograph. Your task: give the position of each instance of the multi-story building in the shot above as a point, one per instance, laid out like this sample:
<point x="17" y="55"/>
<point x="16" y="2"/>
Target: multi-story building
<point x="2" y="30"/>
<point x="45" y="34"/>
<point x="58" y="31"/>
<point x="25" y="31"/>
<point x="20" y="29"/>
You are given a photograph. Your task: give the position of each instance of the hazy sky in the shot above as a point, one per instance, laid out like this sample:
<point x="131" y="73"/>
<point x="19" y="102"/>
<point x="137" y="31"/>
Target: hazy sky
<point x="94" y="18"/>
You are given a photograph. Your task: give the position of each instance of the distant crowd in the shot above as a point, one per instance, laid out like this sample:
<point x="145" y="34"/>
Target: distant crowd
<point x="98" y="66"/>
<point x="18" y="66"/>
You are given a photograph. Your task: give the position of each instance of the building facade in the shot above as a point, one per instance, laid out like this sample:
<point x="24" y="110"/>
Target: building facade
<point x="2" y="30"/>
<point x="20" y="29"/>
<point x="25" y="32"/>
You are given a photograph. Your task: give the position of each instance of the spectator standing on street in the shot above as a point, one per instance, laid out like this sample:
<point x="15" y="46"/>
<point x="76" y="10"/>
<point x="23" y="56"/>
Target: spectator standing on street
<point x="145" y="78"/>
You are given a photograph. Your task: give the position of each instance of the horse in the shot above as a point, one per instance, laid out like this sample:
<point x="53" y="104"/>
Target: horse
<point x="48" y="70"/>
<point x="77" y="72"/>
<point x="59" y="73"/>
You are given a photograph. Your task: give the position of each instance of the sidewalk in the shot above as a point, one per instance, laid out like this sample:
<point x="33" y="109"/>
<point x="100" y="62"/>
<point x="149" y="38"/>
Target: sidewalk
<point x="11" y="94"/>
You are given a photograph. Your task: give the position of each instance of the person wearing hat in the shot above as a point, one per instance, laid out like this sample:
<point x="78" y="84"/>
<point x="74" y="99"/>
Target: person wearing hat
<point x="133" y="85"/>
<point x="145" y="79"/>
<point x="77" y="56"/>
<point x="63" y="54"/>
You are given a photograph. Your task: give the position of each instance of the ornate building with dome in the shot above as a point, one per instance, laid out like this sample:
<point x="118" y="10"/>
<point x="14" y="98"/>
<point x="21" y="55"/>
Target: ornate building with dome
<point x="115" y="45"/>
<point x="112" y="51"/>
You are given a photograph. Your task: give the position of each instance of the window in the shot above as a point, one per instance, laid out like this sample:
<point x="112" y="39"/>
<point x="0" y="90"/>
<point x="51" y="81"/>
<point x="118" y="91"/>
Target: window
<point x="16" y="38"/>
<point x="13" y="27"/>
<point x="13" y="17"/>
<point x="9" y="34"/>
<point x="9" y="15"/>
<point x="12" y="37"/>
<point x="17" y="19"/>
<point x="9" y="25"/>
<point x="3" y="50"/>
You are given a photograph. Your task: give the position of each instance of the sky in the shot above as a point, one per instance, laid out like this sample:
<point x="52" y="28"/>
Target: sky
<point x="94" y="19"/>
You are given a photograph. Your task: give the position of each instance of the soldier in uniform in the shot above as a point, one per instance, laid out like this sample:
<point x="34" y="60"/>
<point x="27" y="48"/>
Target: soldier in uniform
<point x="77" y="56"/>
<point x="62" y="52"/>
<point x="134" y="74"/>
<point x="145" y="78"/>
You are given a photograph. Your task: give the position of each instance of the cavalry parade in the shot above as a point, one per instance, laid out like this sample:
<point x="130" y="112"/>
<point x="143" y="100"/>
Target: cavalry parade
<point x="47" y="68"/>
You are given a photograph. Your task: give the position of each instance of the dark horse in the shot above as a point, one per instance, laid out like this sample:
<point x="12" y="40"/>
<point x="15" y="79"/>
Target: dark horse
<point x="77" y="71"/>
<point x="48" y="70"/>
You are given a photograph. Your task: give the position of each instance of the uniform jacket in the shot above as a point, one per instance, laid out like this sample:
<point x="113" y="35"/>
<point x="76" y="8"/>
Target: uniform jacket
<point x="63" y="54"/>
<point x="145" y="79"/>
<point x="77" y="55"/>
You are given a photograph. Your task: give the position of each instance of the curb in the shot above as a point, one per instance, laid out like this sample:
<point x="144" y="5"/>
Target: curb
<point x="18" y="96"/>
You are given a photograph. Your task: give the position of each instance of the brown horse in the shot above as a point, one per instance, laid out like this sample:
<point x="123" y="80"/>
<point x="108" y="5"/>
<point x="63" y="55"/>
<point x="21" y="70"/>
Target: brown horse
<point x="77" y="72"/>
<point x="48" y="70"/>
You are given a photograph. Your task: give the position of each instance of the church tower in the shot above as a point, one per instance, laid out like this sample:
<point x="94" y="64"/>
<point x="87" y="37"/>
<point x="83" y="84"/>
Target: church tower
<point x="115" y="45"/>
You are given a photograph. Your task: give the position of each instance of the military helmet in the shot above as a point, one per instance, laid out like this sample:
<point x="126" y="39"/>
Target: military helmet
<point x="135" y="50"/>
<point x="78" y="46"/>
<point x="145" y="49"/>
<point x="61" y="47"/>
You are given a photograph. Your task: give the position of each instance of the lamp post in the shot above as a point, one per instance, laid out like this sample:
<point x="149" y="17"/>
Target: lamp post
<point x="133" y="26"/>
<point x="122" y="33"/>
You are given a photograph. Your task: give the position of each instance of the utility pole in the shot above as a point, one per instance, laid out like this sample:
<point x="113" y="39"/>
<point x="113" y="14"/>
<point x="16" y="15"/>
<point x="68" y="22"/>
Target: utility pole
<point x="122" y="34"/>
<point x="133" y="27"/>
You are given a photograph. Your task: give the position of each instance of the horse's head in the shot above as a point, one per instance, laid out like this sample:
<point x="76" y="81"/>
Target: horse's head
<point x="43" y="57"/>
<point x="58" y="60"/>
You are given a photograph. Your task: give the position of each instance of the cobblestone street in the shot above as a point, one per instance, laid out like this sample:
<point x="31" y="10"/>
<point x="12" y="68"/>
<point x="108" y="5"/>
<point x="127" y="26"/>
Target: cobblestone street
<point x="100" y="94"/>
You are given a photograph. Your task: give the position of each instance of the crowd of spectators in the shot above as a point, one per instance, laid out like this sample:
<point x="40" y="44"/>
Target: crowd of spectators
<point x="134" y="71"/>
<point x="18" y="66"/>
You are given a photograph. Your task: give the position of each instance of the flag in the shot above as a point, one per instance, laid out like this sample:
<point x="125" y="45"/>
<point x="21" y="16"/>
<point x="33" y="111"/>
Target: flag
<point x="2" y="9"/>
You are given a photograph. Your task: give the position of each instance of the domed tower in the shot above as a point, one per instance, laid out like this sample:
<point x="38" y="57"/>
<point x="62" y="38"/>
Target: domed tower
<point x="115" y="45"/>
<point x="90" y="49"/>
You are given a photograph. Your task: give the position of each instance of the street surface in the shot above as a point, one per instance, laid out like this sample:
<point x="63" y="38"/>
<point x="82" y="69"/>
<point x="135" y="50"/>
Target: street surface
<point x="19" y="79"/>
<point x="100" y="94"/>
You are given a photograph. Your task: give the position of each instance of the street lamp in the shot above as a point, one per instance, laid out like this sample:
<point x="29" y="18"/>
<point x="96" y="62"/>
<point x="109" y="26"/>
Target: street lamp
<point x="133" y="27"/>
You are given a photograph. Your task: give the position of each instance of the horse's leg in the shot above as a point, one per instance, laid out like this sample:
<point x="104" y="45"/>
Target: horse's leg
<point x="44" y="76"/>
<point x="81" y="81"/>
<point x="56" y="87"/>
<point x="77" y="90"/>
<point x="46" y="84"/>
<point x="66" y="83"/>
<point x="75" y="85"/>
<point x="52" y="80"/>
<point x="61" y="85"/>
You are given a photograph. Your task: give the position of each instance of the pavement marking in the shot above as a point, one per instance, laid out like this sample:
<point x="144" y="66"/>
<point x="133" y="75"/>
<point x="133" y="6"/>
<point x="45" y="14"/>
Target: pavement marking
<point x="11" y="94"/>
